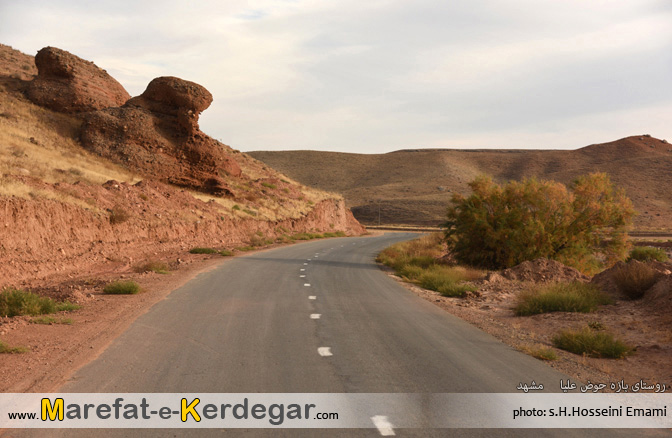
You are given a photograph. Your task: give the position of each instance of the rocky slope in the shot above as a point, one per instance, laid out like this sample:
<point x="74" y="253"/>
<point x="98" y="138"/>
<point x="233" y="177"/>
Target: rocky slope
<point x="95" y="182"/>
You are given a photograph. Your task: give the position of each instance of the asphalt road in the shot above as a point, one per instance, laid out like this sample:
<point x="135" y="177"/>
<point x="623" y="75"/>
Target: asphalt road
<point x="246" y="327"/>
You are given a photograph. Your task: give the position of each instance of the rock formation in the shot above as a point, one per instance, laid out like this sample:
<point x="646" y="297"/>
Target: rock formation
<point x="157" y="134"/>
<point x="69" y="84"/>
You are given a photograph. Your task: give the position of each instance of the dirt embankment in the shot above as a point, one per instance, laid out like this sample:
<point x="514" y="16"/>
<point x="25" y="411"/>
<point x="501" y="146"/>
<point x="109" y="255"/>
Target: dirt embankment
<point x="47" y="240"/>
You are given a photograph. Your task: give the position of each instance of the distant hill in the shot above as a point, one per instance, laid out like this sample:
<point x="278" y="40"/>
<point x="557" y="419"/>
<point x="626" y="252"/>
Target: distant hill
<point x="415" y="186"/>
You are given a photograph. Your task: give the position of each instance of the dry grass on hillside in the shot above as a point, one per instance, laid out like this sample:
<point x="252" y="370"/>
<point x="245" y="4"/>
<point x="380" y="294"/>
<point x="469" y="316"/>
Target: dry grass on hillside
<point x="415" y="186"/>
<point x="40" y="143"/>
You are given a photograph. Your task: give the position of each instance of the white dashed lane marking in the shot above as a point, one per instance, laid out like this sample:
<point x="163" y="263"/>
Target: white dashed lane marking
<point x="306" y="284"/>
<point x="303" y="269"/>
<point x="312" y="297"/>
<point x="383" y="425"/>
<point x="324" y="351"/>
<point x="315" y="316"/>
<point x="302" y="276"/>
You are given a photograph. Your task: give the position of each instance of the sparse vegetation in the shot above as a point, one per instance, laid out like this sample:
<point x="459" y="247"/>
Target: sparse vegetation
<point x="596" y="325"/>
<point x="540" y="352"/>
<point x="647" y="254"/>
<point x="225" y="253"/>
<point x="560" y="297"/>
<point x="501" y="226"/>
<point x="634" y="279"/>
<point x="419" y="261"/>
<point x="334" y="234"/>
<point x="119" y="215"/>
<point x="67" y="306"/>
<point x="306" y="236"/>
<point x="121" y="287"/>
<point x="269" y="185"/>
<point x="594" y="344"/>
<point x="445" y="280"/>
<point x="15" y="302"/>
<point x="50" y="320"/>
<point x="202" y="250"/>
<point x="153" y="266"/>
<point x="6" y="349"/>
<point x="258" y="239"/>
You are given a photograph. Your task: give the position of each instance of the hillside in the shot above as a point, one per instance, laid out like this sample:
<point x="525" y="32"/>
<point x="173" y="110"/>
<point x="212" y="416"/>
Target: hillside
<point x="415" y="186"/>
<point x="93" y="181"/>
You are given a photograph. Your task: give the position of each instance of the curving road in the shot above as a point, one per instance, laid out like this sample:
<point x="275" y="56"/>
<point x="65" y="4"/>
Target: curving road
<point x="314" y="317"/>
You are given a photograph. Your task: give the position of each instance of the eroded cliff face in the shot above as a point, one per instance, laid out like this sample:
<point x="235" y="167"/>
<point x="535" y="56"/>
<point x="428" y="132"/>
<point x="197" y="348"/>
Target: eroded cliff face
<point x="49" y="239"/>
<point x="62" y="216"/>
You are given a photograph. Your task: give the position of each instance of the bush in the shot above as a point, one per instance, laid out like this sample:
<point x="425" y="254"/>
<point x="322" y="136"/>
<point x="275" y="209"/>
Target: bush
<point x="648" y="254"/>
<point x="257" y="240"/>
<point x="561" y="297"/>
<point x="634" y="279"/>
<point x="201" y="250"/>
<point x="118" y="215"/>
<point x="128" y="287"/>
<point x="542" y="353"/>
<point x="419" y="261"/>
<point x="14" y="302"/>
<point x="445" y="281"/>
<point x="225" y="253"/>
<point x="593" y="344"/>
<point x="501" y="226"/>
<point x="410" y="272"/>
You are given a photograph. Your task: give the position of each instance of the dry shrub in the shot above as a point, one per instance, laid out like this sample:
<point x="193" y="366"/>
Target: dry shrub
<point x="634" y="279"/>
<point x="560" y="297"/>
<point x="119" y="215"/>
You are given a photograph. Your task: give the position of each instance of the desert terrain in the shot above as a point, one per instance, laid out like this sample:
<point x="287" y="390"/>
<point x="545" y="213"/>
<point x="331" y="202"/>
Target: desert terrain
<point x="415" y="186"/>
<point x="97" y="186"/>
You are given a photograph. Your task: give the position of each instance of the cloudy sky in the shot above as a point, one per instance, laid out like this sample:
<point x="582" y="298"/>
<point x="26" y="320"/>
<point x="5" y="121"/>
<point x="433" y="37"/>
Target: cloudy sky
<point x="383" y="75"/>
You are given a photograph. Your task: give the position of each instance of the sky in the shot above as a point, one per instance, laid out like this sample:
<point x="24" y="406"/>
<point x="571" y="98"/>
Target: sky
<point x="383" y="75"/>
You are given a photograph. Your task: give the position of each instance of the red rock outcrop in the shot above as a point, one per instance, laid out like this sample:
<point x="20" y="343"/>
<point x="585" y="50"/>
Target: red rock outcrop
<point x="69" y="84"/>
<point x="157" y="134"/>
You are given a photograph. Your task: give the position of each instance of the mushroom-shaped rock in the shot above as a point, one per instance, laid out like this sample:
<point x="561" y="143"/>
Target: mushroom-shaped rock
<point x="157" y="134"/>
<point x="175" y="97"/>
<point x="69" y="84"/>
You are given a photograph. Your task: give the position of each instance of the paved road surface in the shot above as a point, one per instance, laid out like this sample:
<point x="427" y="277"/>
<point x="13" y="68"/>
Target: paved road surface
<point x="246" y="327"/>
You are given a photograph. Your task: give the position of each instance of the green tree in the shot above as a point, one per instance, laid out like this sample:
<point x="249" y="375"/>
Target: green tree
<point x="584" y="226"/>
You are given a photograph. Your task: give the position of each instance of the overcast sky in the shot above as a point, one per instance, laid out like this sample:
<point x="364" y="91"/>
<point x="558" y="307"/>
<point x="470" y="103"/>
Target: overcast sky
<point x="380" y="75"/>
